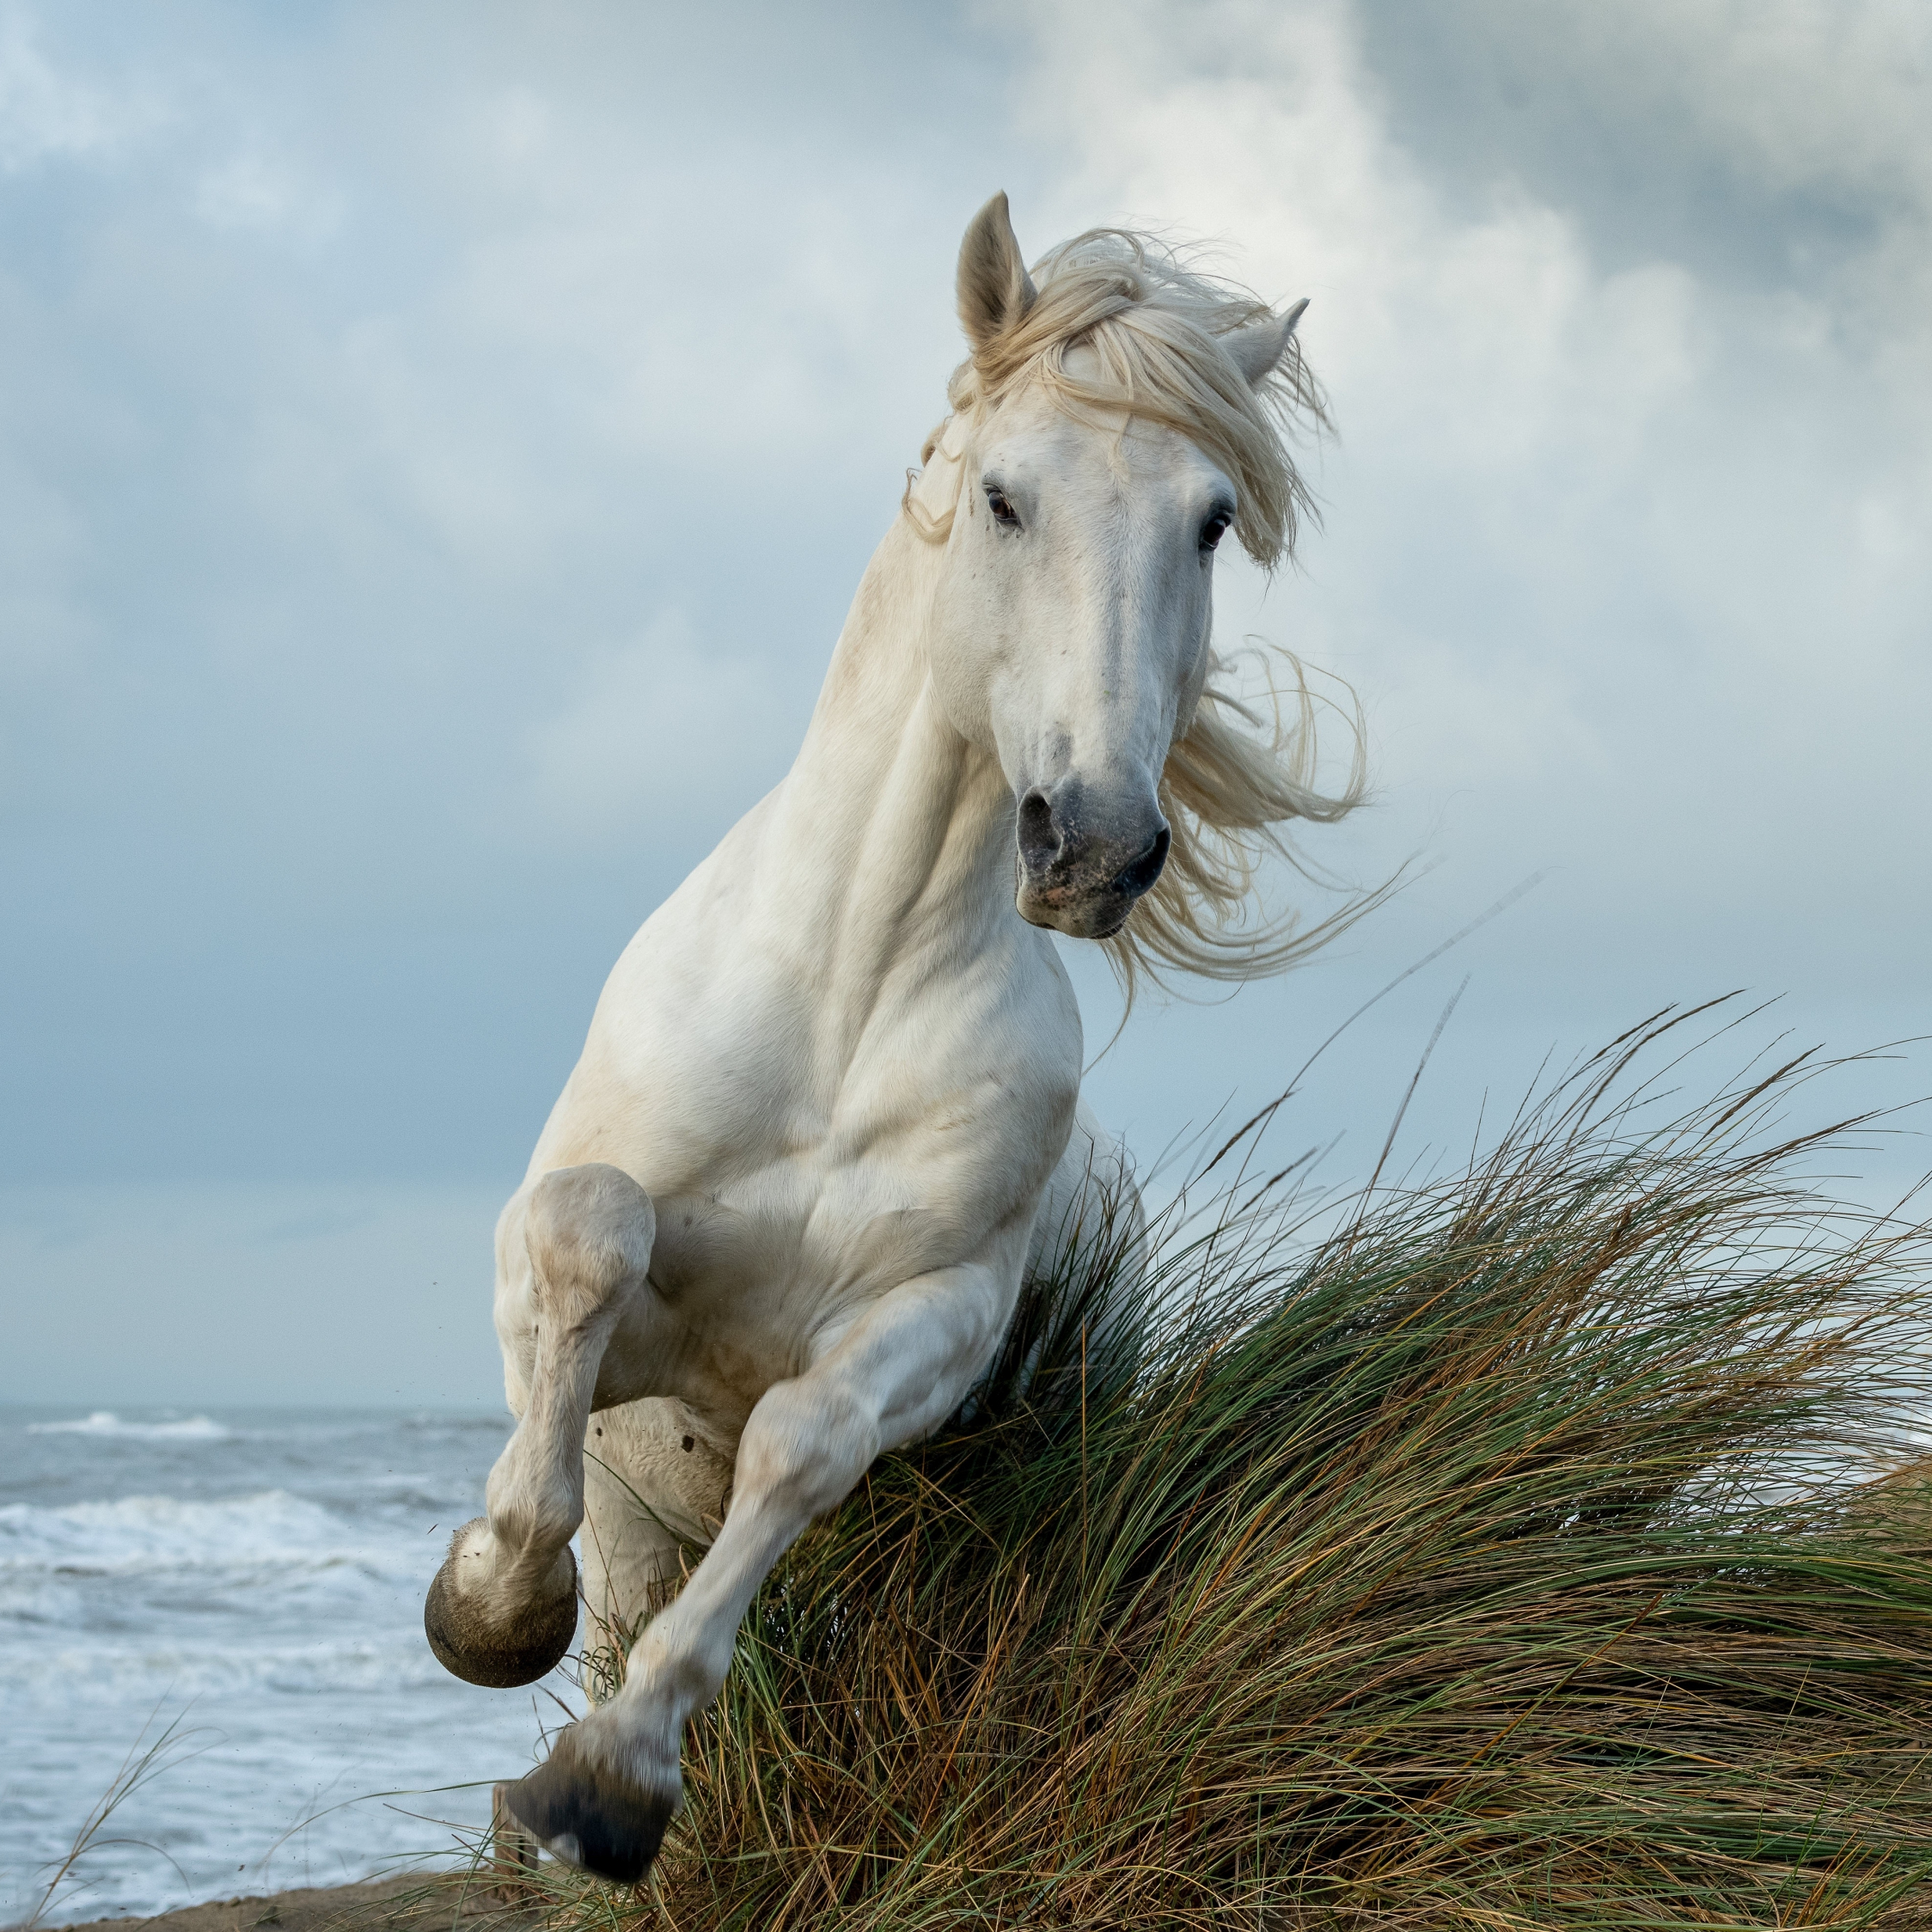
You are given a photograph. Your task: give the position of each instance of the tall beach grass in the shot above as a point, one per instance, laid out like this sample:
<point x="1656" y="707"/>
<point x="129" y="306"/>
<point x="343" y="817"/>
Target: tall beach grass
<point x="1541" y="1545"/>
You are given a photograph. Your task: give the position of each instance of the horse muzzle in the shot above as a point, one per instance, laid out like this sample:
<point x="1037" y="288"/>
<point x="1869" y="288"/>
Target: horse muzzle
<point x="1083" y="862"/>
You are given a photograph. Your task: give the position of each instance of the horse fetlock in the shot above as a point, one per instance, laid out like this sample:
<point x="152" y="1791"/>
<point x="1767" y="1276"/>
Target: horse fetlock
<point x="601" y="1809"/>
<point x="490" y="1620"/>
<point x="676" y="1668"/>
<point x="532" y="1510"/>
<point x="589" y="1231"/>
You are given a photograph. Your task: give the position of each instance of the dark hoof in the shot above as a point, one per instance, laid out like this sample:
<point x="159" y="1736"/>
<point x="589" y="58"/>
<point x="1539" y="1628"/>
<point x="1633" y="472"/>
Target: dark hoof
<point x="591" y="1816"/>
<point x="479" y="1649"/>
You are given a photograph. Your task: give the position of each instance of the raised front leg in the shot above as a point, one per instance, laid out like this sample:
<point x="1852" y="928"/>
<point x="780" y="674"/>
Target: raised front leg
<point x="502" y="1608"/>
<point x="605" y="1794"/>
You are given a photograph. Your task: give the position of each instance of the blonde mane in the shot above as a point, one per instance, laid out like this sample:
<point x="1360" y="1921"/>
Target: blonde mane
<point x="1239" y="773"/>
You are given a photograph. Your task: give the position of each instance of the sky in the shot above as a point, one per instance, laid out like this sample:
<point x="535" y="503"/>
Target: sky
<point x="438" y="446"/>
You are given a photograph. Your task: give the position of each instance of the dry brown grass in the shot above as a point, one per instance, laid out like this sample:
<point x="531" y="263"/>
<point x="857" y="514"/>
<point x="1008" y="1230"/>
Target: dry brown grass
<point x="1508" y="1556"/>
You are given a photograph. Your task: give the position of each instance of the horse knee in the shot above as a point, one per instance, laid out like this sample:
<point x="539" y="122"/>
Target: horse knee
<point x="589" y="1231"/>
<point x="805" y="1444"/>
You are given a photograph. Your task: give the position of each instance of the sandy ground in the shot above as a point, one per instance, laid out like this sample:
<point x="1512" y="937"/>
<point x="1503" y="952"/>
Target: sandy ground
<point x="399" y="1905"/>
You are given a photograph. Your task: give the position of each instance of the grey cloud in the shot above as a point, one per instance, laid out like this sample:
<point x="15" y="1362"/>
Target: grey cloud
<point x="388" y="381"/>
<point x="1616" y="544"/>
<point x="438" y="447"/>
<point x="1771" y="144"/>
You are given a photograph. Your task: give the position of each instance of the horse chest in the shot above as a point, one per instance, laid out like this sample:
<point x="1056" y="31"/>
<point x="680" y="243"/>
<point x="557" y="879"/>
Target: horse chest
<point x="780" y="1249"/>
<point x="806" y="1155"/>
<point x="773" y="1127"/>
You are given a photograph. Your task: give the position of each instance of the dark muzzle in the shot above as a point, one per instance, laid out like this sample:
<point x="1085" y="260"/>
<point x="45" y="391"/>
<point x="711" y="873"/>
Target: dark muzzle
<point x="1083" y="859"/>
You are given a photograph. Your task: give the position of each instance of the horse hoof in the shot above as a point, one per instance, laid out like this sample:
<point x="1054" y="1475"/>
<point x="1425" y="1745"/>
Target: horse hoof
<point x="498" y="1653"/>
<point x="591" y="1816"/>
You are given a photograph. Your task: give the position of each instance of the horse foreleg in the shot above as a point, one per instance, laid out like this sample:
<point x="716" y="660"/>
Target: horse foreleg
<point x="605" y="1794"/>
<point x="502" y="1608"/>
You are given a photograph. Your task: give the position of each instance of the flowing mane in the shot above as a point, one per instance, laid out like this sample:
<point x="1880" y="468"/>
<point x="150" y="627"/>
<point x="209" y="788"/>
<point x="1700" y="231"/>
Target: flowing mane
<point x="1239" y="771"/>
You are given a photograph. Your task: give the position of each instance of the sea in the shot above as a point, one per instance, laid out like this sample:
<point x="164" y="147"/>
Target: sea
<point x="217" y="1614"/>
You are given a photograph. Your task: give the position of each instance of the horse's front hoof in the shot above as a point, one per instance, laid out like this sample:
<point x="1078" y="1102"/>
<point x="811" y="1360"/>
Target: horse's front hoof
<point x="590" y="1815"/>
<point x="475" y="1643"/>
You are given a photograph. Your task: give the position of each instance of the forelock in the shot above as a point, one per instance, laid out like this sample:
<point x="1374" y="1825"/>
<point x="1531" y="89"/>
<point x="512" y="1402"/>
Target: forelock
<point x="1155" y="327"/>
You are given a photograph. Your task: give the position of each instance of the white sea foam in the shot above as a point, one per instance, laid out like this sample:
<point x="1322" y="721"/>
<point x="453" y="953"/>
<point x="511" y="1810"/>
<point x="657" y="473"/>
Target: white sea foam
<point x="206" y="1671"/>
<point x="265" y="1585"/>
<point x="104" y="1422"/>
<point x="141" y="1533"/>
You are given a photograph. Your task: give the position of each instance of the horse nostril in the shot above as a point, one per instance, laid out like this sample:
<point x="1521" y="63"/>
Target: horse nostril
<point x="1140" y="877"/>
<point x="1039" y="839"/>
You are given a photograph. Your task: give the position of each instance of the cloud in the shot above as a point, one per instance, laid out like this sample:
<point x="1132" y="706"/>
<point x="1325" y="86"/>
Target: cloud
<point x="444" y="442"/>
<point x="251" y="192"/>
<point x="1615" y="535"/>
<point x="43" y="115"/>
<point x="380" y="394"/>
<point x="651" y="729"/>
<point x="455" y="434"/>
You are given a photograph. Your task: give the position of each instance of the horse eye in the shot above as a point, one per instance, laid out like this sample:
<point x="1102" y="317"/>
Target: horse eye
<point x="1215" y="529"/>
<point x="1004" y="514"/>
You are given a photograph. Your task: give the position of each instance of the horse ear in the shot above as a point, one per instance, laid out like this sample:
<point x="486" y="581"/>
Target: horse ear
<point x="994" y="289"/>
<point x="1258" y="347"/>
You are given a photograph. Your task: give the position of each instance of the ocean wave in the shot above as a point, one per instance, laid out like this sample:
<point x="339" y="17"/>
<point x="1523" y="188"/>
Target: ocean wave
<point x="165" y="1532"/>
<point x="117" y="1670"/>
<point x="104" y="1422"/>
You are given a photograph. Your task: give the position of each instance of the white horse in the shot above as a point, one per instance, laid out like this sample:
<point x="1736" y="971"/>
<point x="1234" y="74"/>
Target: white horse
<point x="778" y="1220"/>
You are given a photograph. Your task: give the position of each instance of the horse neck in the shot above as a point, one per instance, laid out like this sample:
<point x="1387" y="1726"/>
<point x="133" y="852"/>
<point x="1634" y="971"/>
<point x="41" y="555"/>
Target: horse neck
<point x="893" y="834"/>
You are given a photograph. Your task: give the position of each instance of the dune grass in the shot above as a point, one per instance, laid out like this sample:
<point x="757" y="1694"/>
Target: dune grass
<point x="1516" y="1549"/>
<point x="148" y="1759"/>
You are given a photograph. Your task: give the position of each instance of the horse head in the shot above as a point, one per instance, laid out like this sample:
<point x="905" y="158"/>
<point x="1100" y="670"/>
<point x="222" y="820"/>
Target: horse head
<point x="1111" y="425"/>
